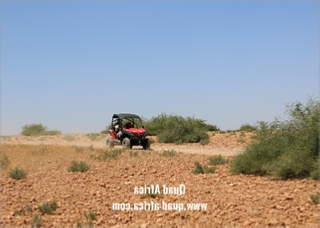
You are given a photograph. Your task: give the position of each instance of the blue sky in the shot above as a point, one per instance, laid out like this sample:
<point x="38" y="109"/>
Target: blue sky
<point x="71" y="65"/>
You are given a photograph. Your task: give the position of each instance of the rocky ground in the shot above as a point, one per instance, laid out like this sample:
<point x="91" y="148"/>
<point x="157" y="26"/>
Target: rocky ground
<point x="115" y="182"/>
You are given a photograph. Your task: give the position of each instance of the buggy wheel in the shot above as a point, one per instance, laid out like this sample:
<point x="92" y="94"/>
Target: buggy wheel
<point x="146" y="144"/>
<point x="126" y="143"/>
<point x="109" y="143"/>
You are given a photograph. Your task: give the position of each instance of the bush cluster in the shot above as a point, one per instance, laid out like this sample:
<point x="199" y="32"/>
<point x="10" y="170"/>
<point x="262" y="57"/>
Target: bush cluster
<point x="48" y="207"/>
<point x="218" y="160"/>
<point x="78" y="166"/>
<point x="157" y="124"/>
<point x="315" y="198"/>
<point x="203" y="169"/>
<point x="177" y="129"/>
<point x="17" y="174"/>
<point x="247" y="127"/>
<point x="37" y="129"/>
<point x="284" y="149"/>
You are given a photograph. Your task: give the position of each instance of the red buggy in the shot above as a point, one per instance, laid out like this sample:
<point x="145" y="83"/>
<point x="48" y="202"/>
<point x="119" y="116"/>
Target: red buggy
<point x="127" y="130"/>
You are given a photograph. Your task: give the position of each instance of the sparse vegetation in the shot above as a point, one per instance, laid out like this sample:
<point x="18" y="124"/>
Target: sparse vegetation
<point x="4" y="161"/>
<point x="29" y="209"/>
<point x="19" y="212"/>
<point x="133" y="154"/>
<point x="79" y="166"/>
<point x="284" y="149"/>
<point x="247" y="127"/>
<point x="37" y="129"/>
<point x="211" y="127"/>
<point x="104" y="154"/>
<point x="41" y="151"/>
<point x="315" y="198"/>
<point x="241" y="138"/>
<point x="23" y="211"/>
<point x="204" y="141"/>
<point x="36" y="221"/>
<point x="90" y="216"/>
<point x="79" y="149"/>
<point x="202" y="169"/>
<point x="218" y="160"/>
<point x="116" y="177"/>
<point x="69" y="138"/>
<point x="17" y="173"/>
<point x="169" y="153"/>
<point x="91" y="148"/>
<point x="48" y="207"/>
<point x="79" y="224"/>
<point x="94" y="136"/>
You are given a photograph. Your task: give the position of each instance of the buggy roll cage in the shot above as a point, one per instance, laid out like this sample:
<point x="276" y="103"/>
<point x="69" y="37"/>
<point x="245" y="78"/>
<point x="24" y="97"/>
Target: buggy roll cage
<point x="124" y="118"/>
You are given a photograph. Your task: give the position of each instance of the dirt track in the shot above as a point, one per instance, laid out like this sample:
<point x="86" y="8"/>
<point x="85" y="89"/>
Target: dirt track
<point x="231" y="200"/>
<point x="227" y="144"/>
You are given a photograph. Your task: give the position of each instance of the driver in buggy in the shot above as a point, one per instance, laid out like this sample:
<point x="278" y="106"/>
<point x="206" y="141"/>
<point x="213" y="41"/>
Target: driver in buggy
<point x="129" y="125"/>
<point x="117" y="131"/>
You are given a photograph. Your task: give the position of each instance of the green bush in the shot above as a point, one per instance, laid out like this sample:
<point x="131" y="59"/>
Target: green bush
<point x="284" y="149"/>
<point x="48" y="208"/>
<point x="78" y="166"/>
<point x="202" y="169"/>
<point x="169" y="153"/>
<point x="176" y="129"/>
<point x="218" y="160"/>
<point x="247" y="127"/>
<point x="211" y="127"/>
<point x="204" y="141"/>
<point x="36" y="221"/>
<point x="17" y="174"/>
<point x="315" y="198"/>
<point x="37" y="129"/>
<point x="90" y="215"/>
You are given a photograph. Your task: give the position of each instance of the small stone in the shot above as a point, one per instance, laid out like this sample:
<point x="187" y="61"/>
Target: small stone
<point x="279" y="207"/>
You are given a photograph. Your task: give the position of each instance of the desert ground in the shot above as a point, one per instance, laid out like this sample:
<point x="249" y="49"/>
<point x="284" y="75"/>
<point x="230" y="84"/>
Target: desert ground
<point x="113" y="183"/>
